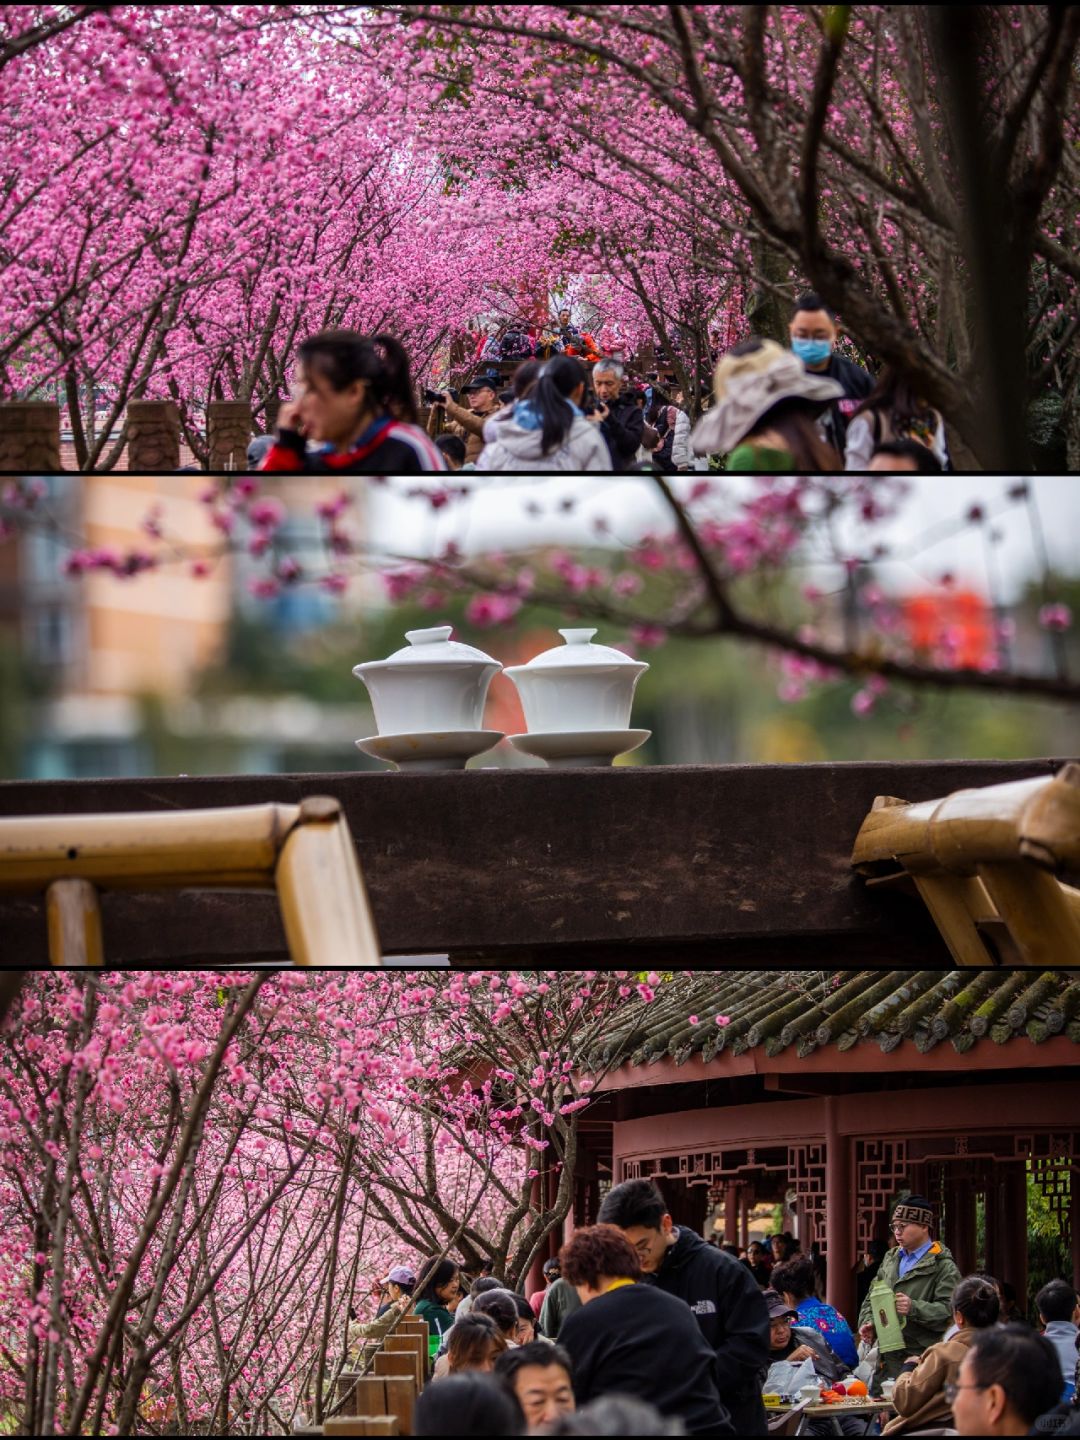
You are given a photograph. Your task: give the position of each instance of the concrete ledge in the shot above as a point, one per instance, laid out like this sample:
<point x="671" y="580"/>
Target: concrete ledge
<point x="696" y="865"/>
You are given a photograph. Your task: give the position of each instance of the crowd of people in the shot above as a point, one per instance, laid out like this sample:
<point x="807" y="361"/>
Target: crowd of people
<point x="807" y="408"/>
<point x="642" y="1327"/>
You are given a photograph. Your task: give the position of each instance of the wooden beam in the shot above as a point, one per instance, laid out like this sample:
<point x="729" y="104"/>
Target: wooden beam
<point x="708" y="865"/>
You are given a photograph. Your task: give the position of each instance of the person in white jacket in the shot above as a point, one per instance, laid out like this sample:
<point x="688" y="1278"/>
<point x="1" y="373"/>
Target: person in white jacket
<point x="546" y="430"/>
<point x="681" y="456"/>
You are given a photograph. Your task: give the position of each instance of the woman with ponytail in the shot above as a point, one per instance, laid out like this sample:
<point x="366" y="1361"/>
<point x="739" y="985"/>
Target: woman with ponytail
<point x="354" y="399"/>
<point x="546" y="429"/>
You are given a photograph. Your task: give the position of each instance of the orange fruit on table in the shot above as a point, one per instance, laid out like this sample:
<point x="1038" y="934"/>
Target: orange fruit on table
<point x="857" y="1387"/>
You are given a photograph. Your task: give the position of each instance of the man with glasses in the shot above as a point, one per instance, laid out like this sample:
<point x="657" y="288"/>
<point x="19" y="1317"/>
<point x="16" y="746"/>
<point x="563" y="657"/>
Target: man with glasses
<point x="727" y="1304"/>
<point x="922" y="1275"/>
<point x="1009" y="1379"/>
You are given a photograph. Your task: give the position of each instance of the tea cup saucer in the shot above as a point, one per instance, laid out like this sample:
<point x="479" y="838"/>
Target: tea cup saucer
<point x="428" y="751"/>
<point x="571" y="749"/>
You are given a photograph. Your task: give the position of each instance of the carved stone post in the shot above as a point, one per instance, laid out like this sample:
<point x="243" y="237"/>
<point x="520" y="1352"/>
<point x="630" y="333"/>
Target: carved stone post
<point x="30" y="436"/>
<point x="228" y="430"/>
<point x="153" y="428"/>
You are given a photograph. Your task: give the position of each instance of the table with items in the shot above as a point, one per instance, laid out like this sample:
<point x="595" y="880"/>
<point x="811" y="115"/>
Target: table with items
<point x="866" y="1408"/>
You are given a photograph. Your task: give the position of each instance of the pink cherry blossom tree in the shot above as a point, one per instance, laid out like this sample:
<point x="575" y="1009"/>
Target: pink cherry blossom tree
<point x="202" y="1173"/>
<point x="911" y="165"/>
<point x="208" y="183"/>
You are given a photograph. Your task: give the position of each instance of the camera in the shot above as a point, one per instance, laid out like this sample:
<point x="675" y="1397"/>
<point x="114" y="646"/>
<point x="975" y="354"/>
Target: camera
<point x="438" y="397"/>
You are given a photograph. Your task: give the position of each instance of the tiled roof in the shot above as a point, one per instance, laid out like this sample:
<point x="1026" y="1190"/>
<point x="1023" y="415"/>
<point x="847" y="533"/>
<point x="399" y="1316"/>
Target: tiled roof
<point x="801" y="1011"/>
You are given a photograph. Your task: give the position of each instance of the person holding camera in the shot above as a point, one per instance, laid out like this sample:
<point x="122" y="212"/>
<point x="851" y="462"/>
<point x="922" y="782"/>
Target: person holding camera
<point x="482" y="393"/>
<point x="621" y="417"/>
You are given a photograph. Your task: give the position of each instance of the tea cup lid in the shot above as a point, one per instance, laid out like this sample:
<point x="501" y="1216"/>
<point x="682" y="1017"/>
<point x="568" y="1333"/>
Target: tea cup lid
<point x="431" y="647"/>
<point x="577" y="650"/>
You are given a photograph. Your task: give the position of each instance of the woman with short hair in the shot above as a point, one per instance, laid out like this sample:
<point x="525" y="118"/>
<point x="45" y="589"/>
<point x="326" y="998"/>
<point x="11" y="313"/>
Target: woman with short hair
<point x="354" y="399"/>
<point x="475" y="1344"/>
<point x="635" y="1338"/>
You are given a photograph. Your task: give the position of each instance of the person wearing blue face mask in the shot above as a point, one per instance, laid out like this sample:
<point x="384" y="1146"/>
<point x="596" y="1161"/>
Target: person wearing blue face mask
<point x="813" y="332"/>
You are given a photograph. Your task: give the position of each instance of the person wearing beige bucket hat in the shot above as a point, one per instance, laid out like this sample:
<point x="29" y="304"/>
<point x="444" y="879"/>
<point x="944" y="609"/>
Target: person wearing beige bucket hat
<point x="763" y="413"/>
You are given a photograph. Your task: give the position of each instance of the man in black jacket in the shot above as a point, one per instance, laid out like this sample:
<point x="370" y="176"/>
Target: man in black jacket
<point x="721" y="1292"/>
<point x="621" y="417"/>
<point x="632" y="1339"/>
<point x="814" y="333"/>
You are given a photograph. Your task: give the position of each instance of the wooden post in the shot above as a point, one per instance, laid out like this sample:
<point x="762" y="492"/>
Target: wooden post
<point x="731" y="1214"/>
<point x="406" y="1347"/>
<point x="400" y="1401"/>
<point x="1014" y="1264"/>
<point x="392" y="1363"/>
<point x="228" y="430"/>
<point x="839" y="1214"/>
<point x="994" y="1226"/>
<point x="153" y="428"/>
<point x="960" y="1213"/>
<point x="744" y="1216"/>
<point x="30" y="436"/>
<point x="74" y="919"/>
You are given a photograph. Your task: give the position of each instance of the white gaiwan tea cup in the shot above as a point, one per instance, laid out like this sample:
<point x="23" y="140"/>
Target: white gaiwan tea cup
<point x="577" y="686"/>
<point x="434" y="684"/>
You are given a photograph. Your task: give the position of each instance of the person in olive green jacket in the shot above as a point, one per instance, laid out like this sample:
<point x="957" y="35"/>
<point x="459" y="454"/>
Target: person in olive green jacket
<point x="922" y="1274"/>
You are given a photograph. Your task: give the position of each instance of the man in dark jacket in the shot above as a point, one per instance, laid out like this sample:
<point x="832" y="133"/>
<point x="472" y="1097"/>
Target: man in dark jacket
<point x="621" y="417"/>
<point x="721" y="1292"/>
<point x="633" y="1339"/>
<point x="814" y="332"/>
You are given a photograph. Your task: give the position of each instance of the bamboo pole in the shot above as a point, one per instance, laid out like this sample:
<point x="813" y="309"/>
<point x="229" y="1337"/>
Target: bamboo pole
<point x="324" y="905"/>
<point x="1039" y="915"/>
<point x="74" y="921"/>
<point x="234" y="846"/>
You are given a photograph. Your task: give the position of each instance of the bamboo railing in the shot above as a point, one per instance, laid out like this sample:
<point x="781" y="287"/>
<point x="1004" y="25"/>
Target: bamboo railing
<point x="987" y="864"/>
<point x="305" y="852"/>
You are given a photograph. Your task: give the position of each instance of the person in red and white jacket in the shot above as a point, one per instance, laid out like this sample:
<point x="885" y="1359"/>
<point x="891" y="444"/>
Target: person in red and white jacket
<point x="354" y="399"/>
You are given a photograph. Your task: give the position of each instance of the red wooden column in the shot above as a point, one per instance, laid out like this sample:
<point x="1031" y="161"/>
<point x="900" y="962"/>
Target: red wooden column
<point x="839" y="1215"/>
<point x="996" y="1248"/>
<point x="1074" y="1222"/>
<point x="744" y="1216"/>
<point x="731" y="1214"/>
<point x="1014" y="1257"/>
<point x="961" y="1237"/>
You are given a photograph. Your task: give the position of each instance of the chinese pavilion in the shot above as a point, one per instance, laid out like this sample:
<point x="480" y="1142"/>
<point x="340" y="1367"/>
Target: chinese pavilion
<point x="836" y="1092"/>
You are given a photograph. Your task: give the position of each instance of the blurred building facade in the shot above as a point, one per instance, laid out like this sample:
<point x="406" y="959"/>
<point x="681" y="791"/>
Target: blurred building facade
<point x="120" y="655"/>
